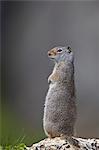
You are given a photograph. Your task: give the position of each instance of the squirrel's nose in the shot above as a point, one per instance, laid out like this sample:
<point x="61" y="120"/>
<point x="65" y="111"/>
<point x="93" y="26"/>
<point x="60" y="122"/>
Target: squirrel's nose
<point x="49" y="54"/>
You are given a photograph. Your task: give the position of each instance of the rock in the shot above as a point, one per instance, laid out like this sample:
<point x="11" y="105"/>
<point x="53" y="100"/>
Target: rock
<point x="62" y="144"/>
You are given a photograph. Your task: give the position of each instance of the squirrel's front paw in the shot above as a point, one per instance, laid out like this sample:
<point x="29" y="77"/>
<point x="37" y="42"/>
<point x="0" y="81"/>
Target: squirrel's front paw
<point x="54" y="77"/>
<point x="49" y="81"/>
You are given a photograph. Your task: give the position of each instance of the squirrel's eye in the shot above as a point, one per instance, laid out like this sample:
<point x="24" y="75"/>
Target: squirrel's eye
<point x="59" y="50"/>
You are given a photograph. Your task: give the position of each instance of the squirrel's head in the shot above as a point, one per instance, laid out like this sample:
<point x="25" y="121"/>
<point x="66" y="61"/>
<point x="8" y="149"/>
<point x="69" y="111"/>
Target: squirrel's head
<point x="61" y="54"/>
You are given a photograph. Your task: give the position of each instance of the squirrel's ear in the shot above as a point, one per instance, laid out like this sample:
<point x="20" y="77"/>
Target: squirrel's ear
<point x="69" y="49"/>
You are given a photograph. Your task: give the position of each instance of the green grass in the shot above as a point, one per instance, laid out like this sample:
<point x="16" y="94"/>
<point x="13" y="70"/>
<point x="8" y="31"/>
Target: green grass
<point x="21" y="146"/>
<point x="15" y="135"/>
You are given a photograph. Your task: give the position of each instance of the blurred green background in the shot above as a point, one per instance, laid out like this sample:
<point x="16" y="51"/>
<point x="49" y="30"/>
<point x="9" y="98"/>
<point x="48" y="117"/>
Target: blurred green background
<point x="28" y="31"/>
<point x="15" y="132"/>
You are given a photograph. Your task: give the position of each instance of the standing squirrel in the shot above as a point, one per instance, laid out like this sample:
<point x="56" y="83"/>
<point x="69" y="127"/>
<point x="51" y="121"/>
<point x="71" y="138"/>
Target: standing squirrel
<point x="60" y="104"/>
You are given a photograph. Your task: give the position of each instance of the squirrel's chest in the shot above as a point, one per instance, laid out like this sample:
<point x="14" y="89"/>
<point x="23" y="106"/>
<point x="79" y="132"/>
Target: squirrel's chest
<point x="54" y="87"/>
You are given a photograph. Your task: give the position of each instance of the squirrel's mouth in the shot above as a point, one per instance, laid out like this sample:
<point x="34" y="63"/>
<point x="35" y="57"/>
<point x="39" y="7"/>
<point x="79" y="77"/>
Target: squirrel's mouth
<point x="51" y="57"/>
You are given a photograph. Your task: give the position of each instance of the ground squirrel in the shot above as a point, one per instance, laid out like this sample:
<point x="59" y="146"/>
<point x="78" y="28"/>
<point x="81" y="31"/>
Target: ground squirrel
<point x="60" y="104"/>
